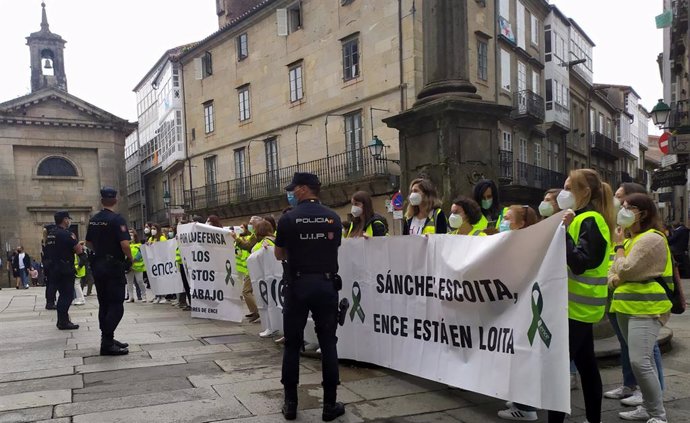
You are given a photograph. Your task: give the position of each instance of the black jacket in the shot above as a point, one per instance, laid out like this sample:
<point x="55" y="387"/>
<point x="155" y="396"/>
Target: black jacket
<point x="27" y="263"/>
<point x="591" y="249"/>
<point x="678" y="240"/>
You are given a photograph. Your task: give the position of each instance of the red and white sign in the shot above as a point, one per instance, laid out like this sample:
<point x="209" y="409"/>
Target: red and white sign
<point x="663" y="142"/>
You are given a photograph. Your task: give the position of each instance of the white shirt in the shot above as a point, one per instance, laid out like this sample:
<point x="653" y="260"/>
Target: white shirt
<point x="21" y="260"/>
<point x="417" y="226"/>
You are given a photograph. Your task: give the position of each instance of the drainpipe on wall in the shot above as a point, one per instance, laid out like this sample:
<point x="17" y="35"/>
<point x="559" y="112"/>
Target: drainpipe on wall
<point x="186" y="143"/>
<point x="400" y="55"/>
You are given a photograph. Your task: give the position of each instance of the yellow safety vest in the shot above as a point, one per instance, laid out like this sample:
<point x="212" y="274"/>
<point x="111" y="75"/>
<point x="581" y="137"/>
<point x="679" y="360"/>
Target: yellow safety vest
<point x="138" y="265"/>
<point x="178" y="257"/>
<point x="482" y="224"/>
<point x="644" y="297"/>
<point x="241" y="259"/>
<point x="80" y="270"/>
<point x="162" y="238"/>
<point x="259" y="244"/>
<point x="368" y="230"/>
<point x="587" y="293"/>
<point x="474" y="232"/>
<point x="500" y="217"/>
<point x="430" y="224"/>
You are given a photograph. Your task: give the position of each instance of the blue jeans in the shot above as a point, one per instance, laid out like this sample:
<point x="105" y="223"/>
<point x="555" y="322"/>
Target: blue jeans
<point x="629" y="379"/>
<point x="24" y="276"/>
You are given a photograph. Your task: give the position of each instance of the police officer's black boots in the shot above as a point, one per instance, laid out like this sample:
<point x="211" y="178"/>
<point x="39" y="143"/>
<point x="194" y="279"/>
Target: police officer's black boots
<point x="331" y="409"/>
<point x="64" y="323"/>
<point x="109" y="347"/>
<point x="290" y="406"/>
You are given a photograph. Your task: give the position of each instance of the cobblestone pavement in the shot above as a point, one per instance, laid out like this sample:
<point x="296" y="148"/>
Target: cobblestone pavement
<point x="191" y="370"/>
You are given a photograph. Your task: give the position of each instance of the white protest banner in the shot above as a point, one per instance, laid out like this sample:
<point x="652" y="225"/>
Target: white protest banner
<point x="267" y="283"/>
<point x="161" y="267"/>
<point x="209" y="256"/>
<point x="486" y="314"/>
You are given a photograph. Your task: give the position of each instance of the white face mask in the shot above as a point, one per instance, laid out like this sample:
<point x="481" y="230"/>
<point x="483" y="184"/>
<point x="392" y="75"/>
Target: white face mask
<point x="154" y="232"/>
<point x="625" y="218"/>
<point x="616" y="203"/>
<point x="147" y="231"/>
<point x="455" y="220"/>
<point x="545" y="209"/>
<point x="565" y="200"/>
<point x="415" y="198"/>
<point x="171" y="235"/>
<point x="356" y="211"/>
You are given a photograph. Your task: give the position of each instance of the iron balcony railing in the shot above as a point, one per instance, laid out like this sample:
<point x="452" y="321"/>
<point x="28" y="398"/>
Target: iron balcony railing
<point x="602" y="144"/>
<point x="528" y="104"/>
<point x="679" y="114"/>
<point x="538" y="177"/>
<point x="505" y="164"/>
<point x="343" y="167"/>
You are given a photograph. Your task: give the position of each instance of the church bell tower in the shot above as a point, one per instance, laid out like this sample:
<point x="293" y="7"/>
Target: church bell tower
<point x="47" y="58"/>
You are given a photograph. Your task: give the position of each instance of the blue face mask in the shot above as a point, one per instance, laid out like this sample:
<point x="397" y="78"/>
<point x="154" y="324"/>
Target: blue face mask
<point x="504" y="226"/>
<point x="292" y="200"/>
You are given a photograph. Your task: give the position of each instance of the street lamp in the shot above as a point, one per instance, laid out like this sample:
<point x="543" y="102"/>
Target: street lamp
<point x="376" y="149"/>
<point x="166" y="199"/>
<point x="660" y="113"/>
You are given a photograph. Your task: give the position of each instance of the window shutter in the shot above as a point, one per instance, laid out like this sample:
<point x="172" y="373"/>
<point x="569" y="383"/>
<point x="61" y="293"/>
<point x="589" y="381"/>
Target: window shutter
<point x="282" y="20"/>
<point x="197" y="68"/>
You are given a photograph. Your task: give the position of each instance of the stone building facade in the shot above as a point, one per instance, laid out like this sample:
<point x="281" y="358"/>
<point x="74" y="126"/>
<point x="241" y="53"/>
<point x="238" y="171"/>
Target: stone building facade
<point x="56" y="151"/>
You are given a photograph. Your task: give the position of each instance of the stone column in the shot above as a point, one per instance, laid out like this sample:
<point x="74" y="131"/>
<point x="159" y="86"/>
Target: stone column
<point x="450" y="135"/>
<point x="445" y="50"/>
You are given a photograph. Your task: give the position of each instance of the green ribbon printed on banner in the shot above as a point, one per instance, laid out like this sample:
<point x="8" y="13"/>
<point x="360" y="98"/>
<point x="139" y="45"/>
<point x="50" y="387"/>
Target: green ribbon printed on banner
<point x="537" y="322"/>
<point x="228" y="276"/>
<point x="356" y="306"/>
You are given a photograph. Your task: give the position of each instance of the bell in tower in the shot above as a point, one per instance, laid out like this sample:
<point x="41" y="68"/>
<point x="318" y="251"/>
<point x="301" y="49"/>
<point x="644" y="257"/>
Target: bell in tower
<point x="47" y="58"/>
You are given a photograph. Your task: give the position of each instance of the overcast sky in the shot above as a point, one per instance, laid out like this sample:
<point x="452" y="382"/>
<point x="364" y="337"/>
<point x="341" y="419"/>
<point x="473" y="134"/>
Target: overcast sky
<point x="111" y="45"/>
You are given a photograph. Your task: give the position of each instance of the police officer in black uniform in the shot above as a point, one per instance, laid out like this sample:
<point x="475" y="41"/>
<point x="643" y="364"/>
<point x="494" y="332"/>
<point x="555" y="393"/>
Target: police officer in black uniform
<point x="308" y="238"/>
<point x="51" y="289"/>
<point x="61" y="245"/>
<point x="108" y="237"/>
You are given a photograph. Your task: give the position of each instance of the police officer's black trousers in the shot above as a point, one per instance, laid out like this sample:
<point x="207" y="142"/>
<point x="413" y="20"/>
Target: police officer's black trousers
<point x="312" y="293"/>
<point x="110" y="289"/>
<point x="51" y="288"/>
<point x="64" y="283"/>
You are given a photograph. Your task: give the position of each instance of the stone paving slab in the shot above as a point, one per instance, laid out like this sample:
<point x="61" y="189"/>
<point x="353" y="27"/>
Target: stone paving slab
<point x="134" y="401"/>
<point x="181" y="412"/>
<point x="27" y="415"/>
<point x="168" y="345"/>
<point x="303" y="416"/>
<point x="179" y="352"/>
<point x="407" y="405"/>
<point x="34" y="399"/>
<point x="388" y="386"/>
<point x="60" y="382"/>
<point x="36" y="374"/>
<point x="124" y="389"/>
<point x="128" y="364"/>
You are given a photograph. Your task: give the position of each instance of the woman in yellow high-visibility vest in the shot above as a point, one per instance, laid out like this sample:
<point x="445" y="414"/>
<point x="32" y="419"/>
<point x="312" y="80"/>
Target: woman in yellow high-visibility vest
<point x="589" y="221"/>
<point x="465" y="215"/>
<point x="424" y="215"/>
<point x="628" y="393"/>
<point x="640" y="302"/>
<point x="485" y="193"/>
<point x="157" y="235"/>
<point x="136" y="273"/>
<point x="365" y="222"/>
<point x="79" y="274"/>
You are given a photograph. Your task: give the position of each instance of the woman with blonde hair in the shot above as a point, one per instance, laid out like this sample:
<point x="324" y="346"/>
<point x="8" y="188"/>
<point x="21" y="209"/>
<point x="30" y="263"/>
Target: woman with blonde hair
<point x="589" y="222"/>
<point x="424" y="215"/>
<point x="136" y="273"/>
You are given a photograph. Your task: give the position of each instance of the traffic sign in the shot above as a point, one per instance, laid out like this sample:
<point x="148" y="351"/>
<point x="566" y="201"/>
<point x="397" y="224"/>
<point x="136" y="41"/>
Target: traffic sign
<point x="397" y="200"/>
<point x="679" y="144"/>
<point x="663" y="142"/>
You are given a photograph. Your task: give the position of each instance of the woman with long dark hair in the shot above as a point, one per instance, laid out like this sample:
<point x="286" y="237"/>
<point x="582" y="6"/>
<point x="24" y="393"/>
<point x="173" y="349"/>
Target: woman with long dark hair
<point x="424" y="215"/>
<point x="486" y="195"/>
<point x="365" y="222"/>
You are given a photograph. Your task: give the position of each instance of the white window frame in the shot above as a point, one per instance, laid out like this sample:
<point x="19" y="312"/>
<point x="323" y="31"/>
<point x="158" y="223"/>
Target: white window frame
<point x="507" y="142"/>
<point x="522" y="152"/>
<point x="351" y="57"/>
<point x="537" y="154"/>
<point x="536" y="82"/>
<point x="296" y="79"/>
<point x="482" y="59"/>
<point x="209" y="123"/>
<point x="505" y="70"/>
<point x="244" y="103"/>
<point x="242" y="46"/>
<point x="521" y="25"/>
<point x="535" y="24"/>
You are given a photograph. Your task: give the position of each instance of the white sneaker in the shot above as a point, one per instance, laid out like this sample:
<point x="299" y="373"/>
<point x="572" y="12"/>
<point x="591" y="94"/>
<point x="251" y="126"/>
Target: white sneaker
<point x="656" y="420"/>
<point x="162" y="301"/>
<point x="514" y="414"/>
<point x="155" y="300"/>
<point x="619" y="393"/>
<point x="640" y="413"/>
<point x="633" y="400"/>
<point x="131" y="300"/>
<point x="267" y="333"/>
<point x="79" y="302"/>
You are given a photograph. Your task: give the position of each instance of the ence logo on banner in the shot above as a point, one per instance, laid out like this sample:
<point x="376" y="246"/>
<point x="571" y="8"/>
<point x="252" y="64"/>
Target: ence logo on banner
<point x="356" y="300"/>
<point x="538" y="324"/>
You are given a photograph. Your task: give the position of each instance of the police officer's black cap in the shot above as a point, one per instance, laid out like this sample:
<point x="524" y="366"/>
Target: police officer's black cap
<point x="60" y="216"/>
<point x="301" y="178"/>
<point x="108" y="192"/>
